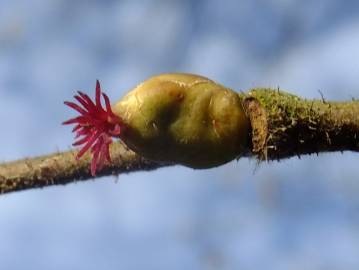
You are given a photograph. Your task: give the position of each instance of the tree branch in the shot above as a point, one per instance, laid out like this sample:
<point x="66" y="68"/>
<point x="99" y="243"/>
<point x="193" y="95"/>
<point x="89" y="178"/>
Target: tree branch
<point x="281" y="126"/>
<point x="285" y="125"/>
<point x="62" y="168"/>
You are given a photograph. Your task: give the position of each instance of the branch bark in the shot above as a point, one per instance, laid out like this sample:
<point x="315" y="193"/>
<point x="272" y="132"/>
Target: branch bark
<point x="62" y="168"/>
<point x="282" y="126"/>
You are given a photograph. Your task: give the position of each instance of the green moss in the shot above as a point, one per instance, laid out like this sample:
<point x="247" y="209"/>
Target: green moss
<point x="296" y="126"/>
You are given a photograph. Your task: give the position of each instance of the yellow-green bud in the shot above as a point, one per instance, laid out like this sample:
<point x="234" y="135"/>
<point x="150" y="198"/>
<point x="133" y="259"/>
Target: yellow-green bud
<point x="185" y="119"/>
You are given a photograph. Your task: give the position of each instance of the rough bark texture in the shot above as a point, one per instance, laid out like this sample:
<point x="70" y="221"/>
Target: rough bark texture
<point x="284" y="125"/>
<point x="63" y="168"/>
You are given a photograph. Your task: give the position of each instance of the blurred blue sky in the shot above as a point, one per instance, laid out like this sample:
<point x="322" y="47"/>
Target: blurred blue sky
<point x="296" y="214"/>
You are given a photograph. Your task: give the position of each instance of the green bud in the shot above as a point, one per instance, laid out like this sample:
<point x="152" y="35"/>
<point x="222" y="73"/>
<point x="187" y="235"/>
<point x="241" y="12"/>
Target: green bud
<point x="185" y="119"/>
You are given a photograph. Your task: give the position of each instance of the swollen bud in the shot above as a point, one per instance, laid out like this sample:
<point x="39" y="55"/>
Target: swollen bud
<point x="185" y="119"/>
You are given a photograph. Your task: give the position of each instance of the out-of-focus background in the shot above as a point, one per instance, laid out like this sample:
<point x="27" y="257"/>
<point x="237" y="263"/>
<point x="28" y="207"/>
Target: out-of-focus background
<point x="296" y="214"/>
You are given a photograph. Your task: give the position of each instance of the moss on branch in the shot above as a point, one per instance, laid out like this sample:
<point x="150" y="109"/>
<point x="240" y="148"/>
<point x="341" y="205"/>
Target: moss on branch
<point x="284" y="125"/>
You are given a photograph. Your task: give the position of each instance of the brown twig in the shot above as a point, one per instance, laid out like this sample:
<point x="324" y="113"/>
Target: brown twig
<point x="62" y="168"/>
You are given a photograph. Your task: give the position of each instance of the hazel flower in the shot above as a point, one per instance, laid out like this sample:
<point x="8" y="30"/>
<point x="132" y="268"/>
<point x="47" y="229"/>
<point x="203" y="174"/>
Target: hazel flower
<point x="95" y="127"/>
<point x="174" y="118"/>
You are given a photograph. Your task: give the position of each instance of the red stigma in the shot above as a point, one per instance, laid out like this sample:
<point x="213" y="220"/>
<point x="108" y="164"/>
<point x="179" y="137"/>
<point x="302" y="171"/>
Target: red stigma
<point x="94" y="127"/>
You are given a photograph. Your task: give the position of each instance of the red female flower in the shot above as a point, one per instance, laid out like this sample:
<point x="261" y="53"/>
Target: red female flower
<point x="94" y="127"/>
